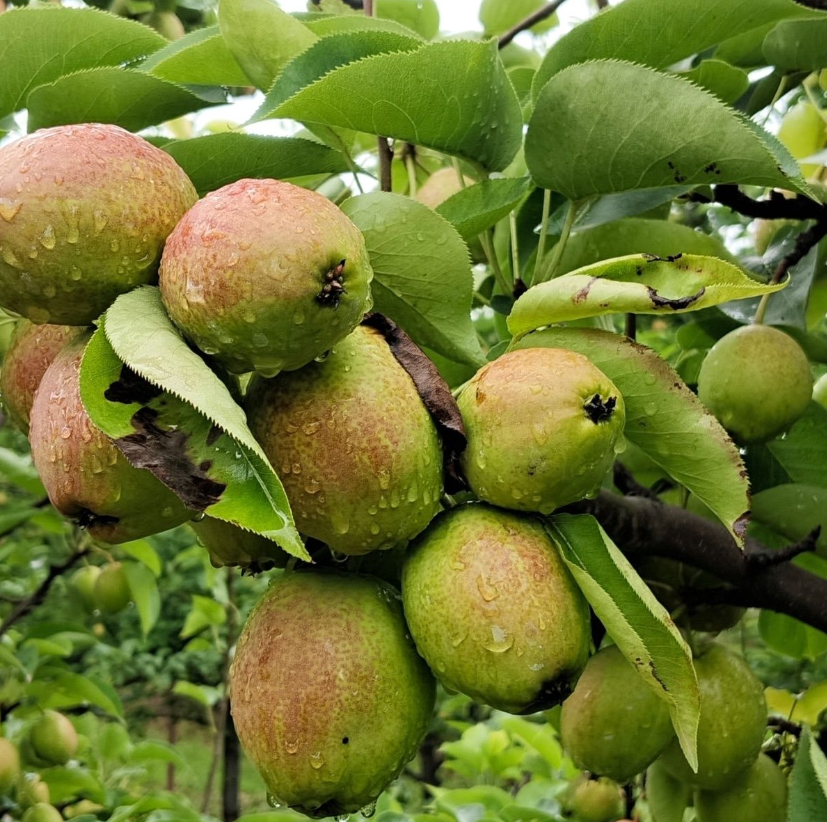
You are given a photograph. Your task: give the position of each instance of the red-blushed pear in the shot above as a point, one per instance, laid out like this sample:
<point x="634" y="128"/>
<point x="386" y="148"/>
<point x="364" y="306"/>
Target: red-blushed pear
<point x="32" y="349"/>
<point x="265" y="276"/>
<point x="590" y="799"/>
<point x="54" y="738"/>
<point x="494" y="610"/>
<point x="84" y="213"/>
<point x="9" y="766"/>
<point x="329" y="696"/>
<point x="85" y="475"/>
<point x="759" y="795"/>
<point x="112" y="592"/>
<point x="229" y="545"/>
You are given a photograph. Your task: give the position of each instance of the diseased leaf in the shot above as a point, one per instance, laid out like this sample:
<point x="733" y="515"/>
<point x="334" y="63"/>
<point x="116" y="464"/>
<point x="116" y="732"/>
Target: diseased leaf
<point x="664" y="419"/>
<point x="478" y="207"/>
<point x="798" y="44"/>
<point x="725" y="81"/>
<point x="640" y="626"/>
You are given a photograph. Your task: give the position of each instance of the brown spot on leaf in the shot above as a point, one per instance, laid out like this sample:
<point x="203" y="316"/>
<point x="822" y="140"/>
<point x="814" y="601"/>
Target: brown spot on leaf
<point x="131" y="387"/>
<point x="583" y="293"/>
<point x="739" y="527"/>
<point x="674" y="305"/>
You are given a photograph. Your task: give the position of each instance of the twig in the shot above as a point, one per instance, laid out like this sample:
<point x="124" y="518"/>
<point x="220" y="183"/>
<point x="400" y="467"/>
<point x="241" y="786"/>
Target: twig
<point x="628" y="485"/>
<point x="775" y="207"/>
<point x="532" y="20"/>
<point x="767" y="558"/>
<point x="385" y="158"/>
<point x="803" y="243"/>
<point x="631" y="326"/>
<point x="779" y="723"/>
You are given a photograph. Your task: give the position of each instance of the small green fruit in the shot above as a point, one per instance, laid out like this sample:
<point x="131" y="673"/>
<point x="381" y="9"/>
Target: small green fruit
<point x="543" y="425"/>
<point x="82" y="586"/>
<point x="354" y="445"/>
<point x="756" y="380"/>
<point x="441" y="185"/>
<point x="265" y="276"/>
<point x="494" y="610"/>
<point x="31" y="789"/>
<point x="230" y="545"/>
<point x="54" y="738"/>
<point x="42" y="812"/>
<point x="329" y="696"/>
<point x="166" y="23"/>
<point x="803" y="132"/>
<point x="112" y="591"/>
<point x="759" y="795"/>
<point x="594" y="800"/>
<point x="666" y="796"/>
<point x="820" y="391"/>
<point x="84" y="213"/>
<point x="9" y="766"/>
<point x="614" y="724"/>
<point x="732" y="724"/>
<point x="420" y="15"/>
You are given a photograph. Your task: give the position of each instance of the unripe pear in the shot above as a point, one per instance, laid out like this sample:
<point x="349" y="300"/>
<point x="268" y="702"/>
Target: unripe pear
<point x="803" y="132"/>
<point x="756" y="380"/>
<point x="31" y="789"/>
<point x="32" y="349"/>
<point x="759" y="795"/>
<point x="82" y="586"/>
<point x="614" y="724"/>
<point x="166" y="23"/>
<point x="543" y="426"/>
<point x="666" y="796"/>
<point x="112" y="592"/>
<point x="329" y="696"/>
<point x="42" y="812"/>
<point x="84" y="213"/>
<point x="820" y="391"/>
<point x="353" y="444"/>
<point x="229" y="544"/>
<point x="54" y="738"/>
<point x="86" y="476"/>
<point x="732" y="722"/>
<point x="265" y="276"/>
<point x="9" y="766"/>
<point x="594" y="800"/>
<point x="441" y="185"/>
<point x="494" y="610"/>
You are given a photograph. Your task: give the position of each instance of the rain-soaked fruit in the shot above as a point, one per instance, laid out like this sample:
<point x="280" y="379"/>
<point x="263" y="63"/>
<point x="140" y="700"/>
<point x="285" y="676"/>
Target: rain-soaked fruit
<point x="353" y="444"/>
<point x="494" y="610"/>
<point x="86" y="476"/>
<point x="112" y="592"/>
<point x="32" y="349"/>
<point x="31" y="789"/>
<point x="732" y="724"/>
<point x="820" y="391"/>
<point x="42" y="812"/>
<point x="329" y="696"/>
<point x="54" y="738"/>
<point x="441" y="185"/>
<point x="82" y="587"/>
<point x="230" y="544"/>
<point x="84" y="213"/>
<point x="614" y="724"/>
<point x="756" y="380"/>
<point x="759" y="795"/>
<point x="265" y="276"/>
<point x="666" y="796"/>
<point x="9" y="766"/>
<point x="594" y="800"/>
<point x="543" y="427"/>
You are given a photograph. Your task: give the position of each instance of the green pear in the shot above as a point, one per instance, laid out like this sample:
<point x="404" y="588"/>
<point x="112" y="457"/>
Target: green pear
<point x="82" y="586"/>
<point x="9" y="766"/>
<point x="354" y="446"/>
<point x="820" y="391"/>
<point x="329" y="696"/>
<point x="42" y="812"/>
<point x="441" y="185"/>
<point x="732" y="722"/>
<point x="759" y="795"/>
<point x="614" y="724"/>
<point x="803" y="132"/>
<point x="756" y="380"/>
<point x="112" y="592"/>
<point x="494" y="610"/>
<point x="54" y="738"/>
<point x="420" y="15"/>
<point x="594" y="800"/>
<point x="85" y="475"/>
<point x="31" y="790"/>
<point x="166" y="23"/>
<point x="84" y="213"/>
<point x="666" y="796"/>
<point x="230" y="544"/>
<point x="543" y="426"/>
<point x="265" y="276"/>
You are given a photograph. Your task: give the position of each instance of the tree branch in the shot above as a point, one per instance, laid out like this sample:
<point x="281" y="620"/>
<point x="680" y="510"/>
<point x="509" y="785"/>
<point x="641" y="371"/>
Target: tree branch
<point x="803" y="243"/>
<point x="766" y="558"/>
<point x="775" y="207"/>
<point x="532" y="20"/>
<point x="385" y="158"/>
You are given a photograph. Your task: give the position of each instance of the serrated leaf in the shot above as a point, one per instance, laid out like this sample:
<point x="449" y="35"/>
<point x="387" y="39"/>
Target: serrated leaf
<point x="145" y="594"/>
<point x="664" y="419"/>
<point x="808" y="781"/>
<point x="798" y="44"/>
<point x="422" y="275"/>
<point x="643" y="129"/>
<point x="725" y="81"/>
<point x="640" y="626"/>
<point x="217" y="160"/>
<point x="202" y="57"/>
<point x="639" y="284"/>
<point x="127" y="98"/>
<point x="38" y="45"/>
<point x="453" y="96"/>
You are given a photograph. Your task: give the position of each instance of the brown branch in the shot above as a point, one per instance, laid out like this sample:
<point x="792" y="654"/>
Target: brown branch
<point x="532" y="20"/>
<point x="775" y="207"/>
<point x="385" y="157"/>
<point x="631" y="326"/>
<point x="803" y="244"/>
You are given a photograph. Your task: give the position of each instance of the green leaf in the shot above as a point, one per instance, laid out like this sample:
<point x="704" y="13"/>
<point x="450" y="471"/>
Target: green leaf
<point x="145" y="594"/>
<point x="476" y="208"/>
<point x="664" y="419"/>
<point x="19" y="470"/>
<point x="38" y="45"/>
<point x="792" y="510"/>
<point x="13" y="515"/>
<point x="612" y="207"/>
<point x="498" y="16"/>
<point x="205" y="613"/>
<point x="220" y="159"/>
<point x="790" y="637"/>
<point x="640" y="626"/>
<point x="154" y="750"/>
<point x="142" y="550"/>
<point x="325" y="24"/>
<point x="202" y="57"/>
<point x="639" y="284"/>
<point x="725" y="81"/>
<point x="68" y="784"/>
<point x="130" y="99"/>
<point x="262" y="37"/>
<point x="798" y="44"/>
<point x="453" y="96"/>
<point x="644" y="129"/>
<point x="808" y="781"/>
<point x="66" y="690"/>
<point x="422" y="275"/>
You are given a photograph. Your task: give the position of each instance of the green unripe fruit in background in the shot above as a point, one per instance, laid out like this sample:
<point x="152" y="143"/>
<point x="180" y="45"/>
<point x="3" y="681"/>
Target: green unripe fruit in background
<point x="54" y="738"/>
<point x="9" y="766"/>
<point x="614" y="724"/>
<point x="420" y="15"/>
<point x="353" y="444"/>
<point x="31" y="789"/>
<point x="87" y="478"/>
<point x="84" y="213"/>
<point x="494" y="610"/>
<point x="166" y="23"/>
<point x="820" y="391"/>
<point x="441" y="185"/>
<point x="803" y="132"/>
<point x="756" y="380"/>
<point x="85" y="806"/>
<point x="666" y="796"/>
<point x="329" y="696"/>
<point x="42" y="812"/>
<point x="82" y="586"/>
<point x="265" y="276"/>
<point x="112" y="591"/>
<point x="732" y="722"/>
<point x="759" y="795"/>
<point x="594" y="800"/>
<point x="230" y="545"/>
<point x="543" y="427"/>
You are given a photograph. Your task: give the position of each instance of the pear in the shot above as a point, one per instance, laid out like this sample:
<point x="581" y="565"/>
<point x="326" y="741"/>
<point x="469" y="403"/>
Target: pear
<point x="112" y="592"/>
<point x="759" y="795"/>
<point x="441" y="185"/>
<point x="590" y="799"/>
<point x="82" y="586"/>
<point x="54" y="738"/>
<point x="31" y="790"/>
<point x="9" y="766"/>
<point x="42" y="812"/>
<point x="666" y="796"/>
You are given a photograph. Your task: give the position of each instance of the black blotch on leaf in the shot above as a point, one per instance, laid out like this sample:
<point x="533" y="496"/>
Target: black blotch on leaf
<point x="130" y="388"/>
<point x="675" y="305"/>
